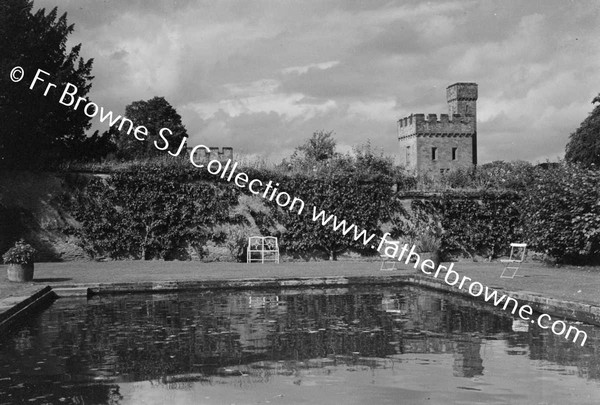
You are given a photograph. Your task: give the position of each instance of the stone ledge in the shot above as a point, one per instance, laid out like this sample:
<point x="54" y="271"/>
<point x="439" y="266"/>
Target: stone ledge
<point x="557" y="308"/>
<point x="15" y="308"/>
<point x="71" y="291"/>
<point x="158" y="286"/>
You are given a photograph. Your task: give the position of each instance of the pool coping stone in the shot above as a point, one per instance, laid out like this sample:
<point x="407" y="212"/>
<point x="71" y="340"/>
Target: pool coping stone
<point x="13" y="309"/>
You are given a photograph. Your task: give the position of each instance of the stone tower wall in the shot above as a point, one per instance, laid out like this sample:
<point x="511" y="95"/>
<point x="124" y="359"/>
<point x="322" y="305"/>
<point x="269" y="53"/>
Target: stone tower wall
<point x="462" y="98"/>
<point x="444" y="145"/>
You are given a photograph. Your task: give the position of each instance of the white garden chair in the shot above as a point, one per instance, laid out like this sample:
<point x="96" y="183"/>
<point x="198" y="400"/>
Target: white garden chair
<point x="517" y="256"/>
<point x="385" y="258"/>
<point x="262" y="249"/>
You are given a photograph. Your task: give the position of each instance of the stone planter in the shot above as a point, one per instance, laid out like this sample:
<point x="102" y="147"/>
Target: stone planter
<point x="20" y="272"/>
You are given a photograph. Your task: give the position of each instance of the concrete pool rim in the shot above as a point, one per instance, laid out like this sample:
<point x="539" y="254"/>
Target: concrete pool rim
<point x="15" y="309"/>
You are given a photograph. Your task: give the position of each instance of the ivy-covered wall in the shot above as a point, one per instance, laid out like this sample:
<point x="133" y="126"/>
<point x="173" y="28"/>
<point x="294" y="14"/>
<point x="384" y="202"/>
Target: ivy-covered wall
<point x="181" y="212"/>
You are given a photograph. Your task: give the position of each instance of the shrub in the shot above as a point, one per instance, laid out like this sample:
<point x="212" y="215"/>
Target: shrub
<point x="20" y="253"/>
<point x="237" y="242"/>
<point x="500" y="175"/>
<point x="485" y="226"/>
<point x="364" y="199"/>
<point x="561" y="212"/>
<point x="151" y="212"/>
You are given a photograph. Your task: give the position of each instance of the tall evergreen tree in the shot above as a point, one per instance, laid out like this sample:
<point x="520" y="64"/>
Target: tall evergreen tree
<point x="36" y="129"/>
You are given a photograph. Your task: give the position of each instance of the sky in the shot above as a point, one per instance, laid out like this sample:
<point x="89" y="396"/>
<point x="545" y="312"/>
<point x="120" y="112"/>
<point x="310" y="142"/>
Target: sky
<point x="262" y="76"/>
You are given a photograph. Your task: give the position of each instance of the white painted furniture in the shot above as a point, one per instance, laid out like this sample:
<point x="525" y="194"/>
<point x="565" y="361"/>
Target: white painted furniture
<point x="517" y="256"/>
<point x="385" y="259"/>
<point x="262" y="249"/>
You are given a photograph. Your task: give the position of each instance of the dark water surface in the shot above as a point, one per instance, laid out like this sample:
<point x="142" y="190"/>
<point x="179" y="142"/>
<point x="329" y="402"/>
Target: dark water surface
<point x="382" y="345"/>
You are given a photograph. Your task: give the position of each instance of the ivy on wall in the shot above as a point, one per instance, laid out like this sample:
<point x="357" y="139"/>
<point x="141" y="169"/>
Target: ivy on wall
<point x="150" y="212"/>
<point x="346" y="195"/>
<point x="483" y="226"/>
<point x="561" y="213"/>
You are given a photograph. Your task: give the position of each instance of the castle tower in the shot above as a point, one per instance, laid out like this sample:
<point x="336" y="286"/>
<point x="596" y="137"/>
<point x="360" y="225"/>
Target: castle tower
<point x="462" y="99"/>
<point x="429" y="145"/>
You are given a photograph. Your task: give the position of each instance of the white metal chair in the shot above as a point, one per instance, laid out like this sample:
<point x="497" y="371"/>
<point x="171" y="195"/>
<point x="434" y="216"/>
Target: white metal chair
<point x="513" y="263"/>
<point x="385" y="258"/>
<point x="262" y="249"/>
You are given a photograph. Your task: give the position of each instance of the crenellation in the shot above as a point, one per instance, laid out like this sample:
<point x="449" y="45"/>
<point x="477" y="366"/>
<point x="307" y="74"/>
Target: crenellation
<point x="216" y="153"/>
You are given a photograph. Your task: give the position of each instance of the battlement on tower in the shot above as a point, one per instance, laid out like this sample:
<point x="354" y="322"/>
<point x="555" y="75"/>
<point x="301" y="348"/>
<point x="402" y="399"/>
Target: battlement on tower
<point x="430" y="124"/>
<point x="216" y="153"/>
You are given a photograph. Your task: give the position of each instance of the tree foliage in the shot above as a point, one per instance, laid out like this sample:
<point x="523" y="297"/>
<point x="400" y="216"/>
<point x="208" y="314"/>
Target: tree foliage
<point x="496" y="175"/>
<point x="151" y="212"/>
<point x="37" y="129"/>
<point x="561" y="212"/>
<point x="356" y="191"/>
<point x="155" y="114"/>
<point x="584" y="143"/>
<point x="319" y="148"/>
<point x="483" y="226"/>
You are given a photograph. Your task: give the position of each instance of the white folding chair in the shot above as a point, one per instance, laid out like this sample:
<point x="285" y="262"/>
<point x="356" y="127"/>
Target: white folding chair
<point x="514" y="261"/>
<point x="385" y="258"/>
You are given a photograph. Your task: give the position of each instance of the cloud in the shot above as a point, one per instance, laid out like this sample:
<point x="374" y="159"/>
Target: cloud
<point x="262" y="96"/>
<point x="262" y="76"/>
<point x="303" y="69"/>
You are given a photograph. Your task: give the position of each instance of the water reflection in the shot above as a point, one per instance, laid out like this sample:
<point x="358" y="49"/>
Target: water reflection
<point x="85" y="351"/>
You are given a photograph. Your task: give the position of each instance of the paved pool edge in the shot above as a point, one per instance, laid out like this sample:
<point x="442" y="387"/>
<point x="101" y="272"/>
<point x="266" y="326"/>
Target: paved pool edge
<point x="24" y="306"/>
<point x="15" y="309"/>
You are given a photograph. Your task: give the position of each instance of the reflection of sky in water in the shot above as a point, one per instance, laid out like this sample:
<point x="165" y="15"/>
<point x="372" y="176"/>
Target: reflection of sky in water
<point x="375" y="346"/>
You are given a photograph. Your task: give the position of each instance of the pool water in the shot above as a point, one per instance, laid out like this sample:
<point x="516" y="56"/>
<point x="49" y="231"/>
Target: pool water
<point x="383" y="345"/>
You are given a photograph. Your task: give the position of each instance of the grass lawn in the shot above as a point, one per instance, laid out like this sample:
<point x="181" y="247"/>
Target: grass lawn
<point x="580" y="284"/>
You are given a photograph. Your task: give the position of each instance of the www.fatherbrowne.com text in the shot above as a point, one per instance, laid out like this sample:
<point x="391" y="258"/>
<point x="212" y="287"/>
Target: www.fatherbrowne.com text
<point x="269" y="191"/>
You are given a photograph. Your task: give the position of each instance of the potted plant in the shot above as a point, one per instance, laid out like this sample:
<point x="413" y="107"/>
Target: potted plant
<point x="20" y="261"/>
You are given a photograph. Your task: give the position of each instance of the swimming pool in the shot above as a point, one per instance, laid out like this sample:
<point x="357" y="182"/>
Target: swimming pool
<point x="376" y="345"/>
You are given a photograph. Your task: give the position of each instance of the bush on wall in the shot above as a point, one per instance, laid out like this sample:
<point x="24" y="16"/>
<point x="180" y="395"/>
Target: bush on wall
<point x="483" y="226"/>
<point x="358" y="191"/>
<point x="561" y="212"/>
<point x="150" y="212"/>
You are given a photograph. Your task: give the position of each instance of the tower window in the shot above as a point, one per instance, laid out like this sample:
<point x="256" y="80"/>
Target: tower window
<point x="454" y="153"/>
<point x="433" y="153"/>
<point x="407" y="154"/>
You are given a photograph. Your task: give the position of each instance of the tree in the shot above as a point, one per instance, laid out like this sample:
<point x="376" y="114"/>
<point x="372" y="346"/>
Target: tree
<point x="94" y="148"/>
<point x="155" y="114"/>
<point x="36" y="129"/>
<point x="320" y="146"/>
<point x="584" y="143"/>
